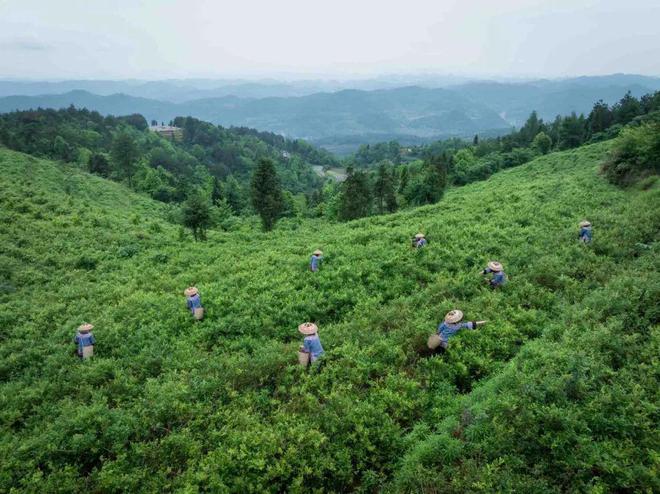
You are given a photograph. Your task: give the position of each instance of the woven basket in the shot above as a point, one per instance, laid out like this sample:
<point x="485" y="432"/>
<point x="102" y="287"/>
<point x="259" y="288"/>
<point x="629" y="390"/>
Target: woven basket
<point x="199" y="313"/>
<point x="88" y="351"/>
<point x="303" y="358"/>
<point x="434" y="341"/>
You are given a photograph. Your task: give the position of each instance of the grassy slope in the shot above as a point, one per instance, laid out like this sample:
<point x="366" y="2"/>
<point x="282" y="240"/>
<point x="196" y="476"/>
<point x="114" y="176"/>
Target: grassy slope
<point x="220" y="405"/>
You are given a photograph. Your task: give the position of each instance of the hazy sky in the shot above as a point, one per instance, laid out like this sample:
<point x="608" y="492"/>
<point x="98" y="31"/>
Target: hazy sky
<point x="151" y="39"/>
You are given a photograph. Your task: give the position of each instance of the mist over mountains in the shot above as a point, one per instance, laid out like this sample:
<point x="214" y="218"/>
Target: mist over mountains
<point x="330" y="114"/>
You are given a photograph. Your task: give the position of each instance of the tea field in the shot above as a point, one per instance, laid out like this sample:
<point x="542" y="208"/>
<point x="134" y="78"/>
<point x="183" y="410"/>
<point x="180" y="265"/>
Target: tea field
<point x="557" y="393"/>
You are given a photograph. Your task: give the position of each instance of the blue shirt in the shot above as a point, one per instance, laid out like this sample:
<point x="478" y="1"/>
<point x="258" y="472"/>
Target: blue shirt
<point x="447" y="330"/>
<point x="83" y="340"/>
<point x="312" y="344"/>
<point x="498" y="277"/>
<point x="314" y="263"/>
<point x="421" y="242"/>
<point x="194" y="302"/>
<point x="585" y="233"/>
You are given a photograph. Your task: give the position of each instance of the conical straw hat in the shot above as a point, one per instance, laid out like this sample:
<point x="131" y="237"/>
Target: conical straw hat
<point x="585" y="223"/>
<point x="308" y="328"/>
<point x="317" y="252"/>
<point x="495" y="266"/>
<point x="190" y="291"/>
<point x="85" y="327"/>
<point x="420" y="235"/>
<point x="454" y="316"/>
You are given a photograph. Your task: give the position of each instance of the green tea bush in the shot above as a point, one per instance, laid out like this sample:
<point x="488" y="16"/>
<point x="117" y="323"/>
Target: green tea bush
<point x="557" y="393"/>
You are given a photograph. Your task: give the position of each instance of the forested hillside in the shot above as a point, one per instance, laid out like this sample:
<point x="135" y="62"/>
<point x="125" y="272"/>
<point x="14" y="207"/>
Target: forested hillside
<point x="557" y="393"/>
<point x="207" y="158"/>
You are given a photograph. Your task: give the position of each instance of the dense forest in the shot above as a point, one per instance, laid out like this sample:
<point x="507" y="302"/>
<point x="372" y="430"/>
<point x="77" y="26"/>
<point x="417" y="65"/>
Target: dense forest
<point x="210" y="167"/>
<point x="556" y="393"/>
<point x="211" y="159"/>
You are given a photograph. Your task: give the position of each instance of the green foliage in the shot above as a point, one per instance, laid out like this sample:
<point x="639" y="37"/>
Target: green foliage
<point x="384" y="195"/>
<point x="557" y="393"/>
<point x="266" y="194"/>
<point x="542" y="143"/>
<point x="196" y="215"/>
<point x="635" y="155"/>
<point x="355" y="198"/>
<point x="125" y="154"/>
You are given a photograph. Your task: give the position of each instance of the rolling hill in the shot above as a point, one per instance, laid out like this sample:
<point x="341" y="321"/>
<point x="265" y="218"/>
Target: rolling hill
<point x="557" y="393"/>
<point x="339" y="119"/>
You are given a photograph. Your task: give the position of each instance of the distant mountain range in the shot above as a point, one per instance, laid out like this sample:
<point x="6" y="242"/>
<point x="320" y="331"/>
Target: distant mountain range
<point x="343" y="118"/>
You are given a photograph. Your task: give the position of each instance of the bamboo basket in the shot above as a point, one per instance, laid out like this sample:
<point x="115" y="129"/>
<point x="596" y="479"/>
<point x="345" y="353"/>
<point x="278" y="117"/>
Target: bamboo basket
<point x="434" y="341"/>
<point x="87" y="351"/>
<point x="303" y="358"/>
<point x="199" y="313"/>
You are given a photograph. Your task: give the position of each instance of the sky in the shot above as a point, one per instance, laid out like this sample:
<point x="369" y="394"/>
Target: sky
<point x="157" y="39"/>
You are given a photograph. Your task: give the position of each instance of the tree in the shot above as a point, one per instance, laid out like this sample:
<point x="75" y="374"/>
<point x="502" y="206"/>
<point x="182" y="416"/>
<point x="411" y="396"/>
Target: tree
<point x="571" y="131"/>
<point x="125" y="154"/>
<point x="403" y="180"/>
<point x="464" y="161"/>
<point x="216" y="192"/>
<point x="62" y="149"/>
<point x="435" y="179"/>
<point x="154" y="123"/>
<point x="355" y="198"/>
<point x="99" y="165"/>
<point x="267" y="197"/>
<point x="600" y="118"/>
<point x="542" y="143"/>
<point x="475" y="140"/>
<point x="384" y="190"/>
<point x="626" y="109"/>
<point x="197" y="216"/>
<point x="532" y="126"/>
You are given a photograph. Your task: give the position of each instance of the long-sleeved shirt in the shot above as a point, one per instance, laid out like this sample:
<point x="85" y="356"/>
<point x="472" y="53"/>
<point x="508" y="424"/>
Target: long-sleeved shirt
<point x="83" y="340"/>
<point x="314" y="262"/>
<point x="447" y="330"/>
<point x="585" y="234"/>
<point x="499" y="278"/>
<point x="421" y="242"/>
<point x="312" y="344"/>
<point x="194" y="302"/>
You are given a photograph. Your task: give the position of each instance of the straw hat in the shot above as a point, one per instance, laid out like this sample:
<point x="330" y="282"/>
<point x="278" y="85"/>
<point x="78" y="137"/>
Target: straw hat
<point x="308" y="328"/>
<point x="495" y="266"/>
<point x="190" y="291"/>
<point x="454" y="316"/>
<point x="419" y="235"/>
<point x="84" y="327"/>
<point x="585" y="223"/>
<point x="317" y="252"/>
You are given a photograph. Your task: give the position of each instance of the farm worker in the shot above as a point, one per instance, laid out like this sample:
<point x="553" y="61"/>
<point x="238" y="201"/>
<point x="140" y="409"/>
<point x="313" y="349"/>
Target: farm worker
<point x="311" y="343"/>
<point x="420" y="240"/>
<point x="194" y="302"/>
<point x="315" y="262"/>
<point x="499" y="278"/>
<point x="449" y="327"/>
<point x="585" y="232"/>
<point x="85" y="341"/>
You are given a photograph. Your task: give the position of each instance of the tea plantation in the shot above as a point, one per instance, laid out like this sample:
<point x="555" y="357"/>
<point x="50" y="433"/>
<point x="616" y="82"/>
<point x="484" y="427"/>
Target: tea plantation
<point x="557" y="393"/>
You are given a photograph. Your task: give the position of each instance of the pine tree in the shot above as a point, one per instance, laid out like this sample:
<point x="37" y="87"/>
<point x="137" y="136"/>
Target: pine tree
<point x="197" y="216"/>
<point x="434" y="180"/>
<point x="355" y="200"/>
<point x="384" y="190"/>
<point x="403" y="180"/>
<point x="600" y="118"/>
<point x="267" y="197"/>
<point x="216" y="192"/>
<point x="125" y="154"/>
